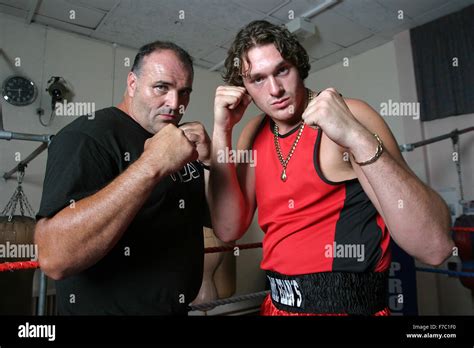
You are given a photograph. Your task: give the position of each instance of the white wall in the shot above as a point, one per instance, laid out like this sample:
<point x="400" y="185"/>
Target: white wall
<point x="96" y="72"/>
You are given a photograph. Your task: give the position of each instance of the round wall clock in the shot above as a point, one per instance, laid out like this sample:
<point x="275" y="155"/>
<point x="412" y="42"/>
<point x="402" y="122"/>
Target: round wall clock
<point x="19" y="90"/>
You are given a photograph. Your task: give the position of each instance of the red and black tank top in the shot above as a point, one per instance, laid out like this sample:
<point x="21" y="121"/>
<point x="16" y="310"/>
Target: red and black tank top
<point x="310" y="223"/>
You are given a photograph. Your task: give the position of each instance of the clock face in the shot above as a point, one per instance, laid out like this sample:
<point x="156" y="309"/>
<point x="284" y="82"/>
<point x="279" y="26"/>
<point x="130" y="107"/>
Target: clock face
<point x="19" y="91"/>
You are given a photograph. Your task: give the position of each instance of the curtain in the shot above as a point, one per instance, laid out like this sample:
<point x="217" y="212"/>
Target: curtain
<point x="443" y="58"/>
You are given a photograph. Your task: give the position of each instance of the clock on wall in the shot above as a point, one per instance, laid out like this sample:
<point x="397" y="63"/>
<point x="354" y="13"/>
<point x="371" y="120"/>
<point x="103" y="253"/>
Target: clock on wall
<point x="19" y="90"/>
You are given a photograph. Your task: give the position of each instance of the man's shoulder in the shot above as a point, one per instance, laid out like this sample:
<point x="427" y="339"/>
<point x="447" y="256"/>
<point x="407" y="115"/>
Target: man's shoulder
<point x="87" y="128"/>
<point x="91" y="125"/>
<point x="361" y="109"/>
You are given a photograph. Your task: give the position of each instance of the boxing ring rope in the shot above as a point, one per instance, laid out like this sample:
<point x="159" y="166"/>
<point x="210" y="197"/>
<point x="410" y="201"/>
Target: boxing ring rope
<point x="14" y="266"/>
<point x="463" y="229"/>
<point x="445" y="271"/>
<point x="232" y="248"/>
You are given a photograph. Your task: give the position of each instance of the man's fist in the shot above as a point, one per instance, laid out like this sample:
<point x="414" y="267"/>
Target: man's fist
<point x="196" y="134"/>
<point x="168" y="150"/>
<point x="330" y="112"/>
<point x="229" y="106"/>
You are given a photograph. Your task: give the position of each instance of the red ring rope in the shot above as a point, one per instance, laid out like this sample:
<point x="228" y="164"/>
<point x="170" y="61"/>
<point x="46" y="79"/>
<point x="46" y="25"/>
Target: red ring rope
<point x="13" y="266"/>
<point x="463" y="229"/>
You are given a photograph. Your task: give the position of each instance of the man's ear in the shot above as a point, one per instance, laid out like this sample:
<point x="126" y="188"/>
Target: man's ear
<point x="132" y="80"/>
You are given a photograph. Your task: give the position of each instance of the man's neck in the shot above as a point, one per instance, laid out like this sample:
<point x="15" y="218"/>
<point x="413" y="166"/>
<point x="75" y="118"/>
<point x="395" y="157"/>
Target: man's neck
<point x="287" y="125"/>
<point x="125" y="107"/>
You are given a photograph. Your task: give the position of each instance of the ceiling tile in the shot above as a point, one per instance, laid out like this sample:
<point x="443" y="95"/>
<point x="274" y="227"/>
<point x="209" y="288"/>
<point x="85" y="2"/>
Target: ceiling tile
<point x="105" y="5"/>
<point x="264" y="6"/>
<point x="227" y="43"/>
<point x="62" y="25"/>
<point x="318" y="48"/>
<point x="410" y="7"/>
<point x="367" y="44"/>
<point x="297" y="8"/>
<point x="13" y="11"/>
<point x="203" y="64"/>
<point x="61" y="10"/>
<point x="339" y="29"/>
<point x="133" y="25"/>
<point x="20" y="4"/>
<point x="216" y="56"/>
<point x="229" y="16"/>
<point x="368" y="13"/>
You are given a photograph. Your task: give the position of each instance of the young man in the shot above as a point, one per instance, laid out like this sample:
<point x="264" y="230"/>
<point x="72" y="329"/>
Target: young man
<point x="330" y="184"/>
<point x="120" y="222"/>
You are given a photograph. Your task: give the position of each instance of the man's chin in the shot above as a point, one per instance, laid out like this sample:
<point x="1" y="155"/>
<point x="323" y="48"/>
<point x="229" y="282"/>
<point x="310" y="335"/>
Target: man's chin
<point x="282" y="115"/>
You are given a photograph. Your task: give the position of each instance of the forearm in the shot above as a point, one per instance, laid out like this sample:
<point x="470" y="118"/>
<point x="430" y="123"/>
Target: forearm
<point x="417" y="217"/>
<point x="226" y="201"/>
<point x="80" y="235"/>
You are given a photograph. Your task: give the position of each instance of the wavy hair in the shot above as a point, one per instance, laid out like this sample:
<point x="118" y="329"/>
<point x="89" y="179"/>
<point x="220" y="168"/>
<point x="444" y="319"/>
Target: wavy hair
<point x="259" y="33"/>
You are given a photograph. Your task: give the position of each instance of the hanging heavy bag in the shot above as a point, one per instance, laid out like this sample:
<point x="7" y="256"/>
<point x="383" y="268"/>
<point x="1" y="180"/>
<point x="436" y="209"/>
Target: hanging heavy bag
<point x="16" y="244"/>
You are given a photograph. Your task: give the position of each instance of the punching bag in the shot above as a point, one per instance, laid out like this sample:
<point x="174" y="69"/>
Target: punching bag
<point x="16" y="244"/>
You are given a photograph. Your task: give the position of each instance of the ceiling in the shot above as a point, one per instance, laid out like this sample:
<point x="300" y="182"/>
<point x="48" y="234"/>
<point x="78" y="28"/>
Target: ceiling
<point x="205" y="28"/>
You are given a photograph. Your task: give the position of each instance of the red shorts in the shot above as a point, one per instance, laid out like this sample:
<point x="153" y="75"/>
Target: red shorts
<point x="269" y="309"/>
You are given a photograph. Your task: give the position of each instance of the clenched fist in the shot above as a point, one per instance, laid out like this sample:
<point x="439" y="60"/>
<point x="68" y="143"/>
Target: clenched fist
<point x="168" y="151"/>
<point x="196" y="133"/>
<point x="330" y="112"/>
<point x="229" y="106"/>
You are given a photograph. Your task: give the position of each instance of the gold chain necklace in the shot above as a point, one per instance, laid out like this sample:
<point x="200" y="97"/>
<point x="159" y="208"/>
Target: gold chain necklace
<point x="283" y="162"/>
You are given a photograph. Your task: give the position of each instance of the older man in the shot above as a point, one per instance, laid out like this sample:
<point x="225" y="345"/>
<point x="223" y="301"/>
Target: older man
<point x="120" y="223"/>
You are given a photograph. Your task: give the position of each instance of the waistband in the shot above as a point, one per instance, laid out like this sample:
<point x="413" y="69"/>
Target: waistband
<point x="330" y="292"/>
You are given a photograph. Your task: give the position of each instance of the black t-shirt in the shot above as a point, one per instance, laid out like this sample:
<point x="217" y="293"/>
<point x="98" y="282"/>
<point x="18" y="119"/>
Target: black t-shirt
<point x="157" y="266"/>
